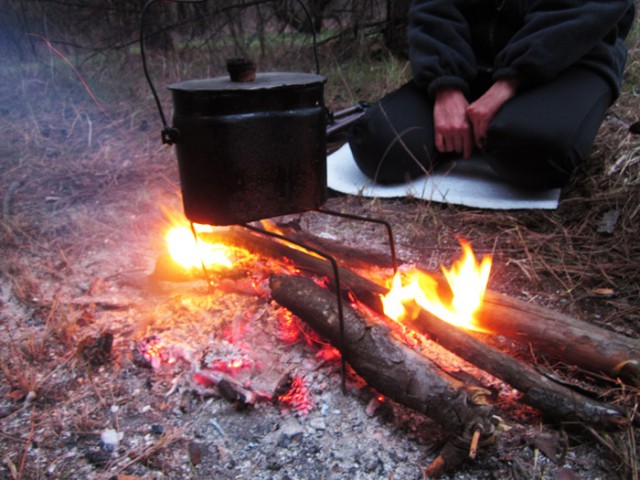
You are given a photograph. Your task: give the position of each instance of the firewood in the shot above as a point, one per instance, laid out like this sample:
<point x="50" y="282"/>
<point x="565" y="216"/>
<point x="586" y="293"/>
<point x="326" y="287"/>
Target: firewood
<point x="554" y="400"/>
<point x="391" y="367"/>
<point x="301" y="259"/>
<point x="561" y="337"/>
<point x="360" y="257"/>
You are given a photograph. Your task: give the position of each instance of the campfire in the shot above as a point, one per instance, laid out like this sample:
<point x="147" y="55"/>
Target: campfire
<point x="381" y="323"/>
<point x="384" y="329"/>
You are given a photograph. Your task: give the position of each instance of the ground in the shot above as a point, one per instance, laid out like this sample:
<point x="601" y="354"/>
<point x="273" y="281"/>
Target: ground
<point x="86" y="190"/>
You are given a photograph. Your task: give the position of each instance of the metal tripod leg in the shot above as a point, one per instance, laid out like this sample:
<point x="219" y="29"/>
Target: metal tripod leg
<point x="387" y="225"/>
<point x="336" y="274"/>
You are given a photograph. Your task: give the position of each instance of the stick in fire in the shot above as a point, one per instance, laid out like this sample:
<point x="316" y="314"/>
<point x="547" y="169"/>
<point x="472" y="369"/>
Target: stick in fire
<point x="392" y="368"/>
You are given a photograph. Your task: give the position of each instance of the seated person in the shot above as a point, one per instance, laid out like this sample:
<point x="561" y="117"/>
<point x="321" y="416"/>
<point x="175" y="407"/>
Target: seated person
<point x="526" y="82"/>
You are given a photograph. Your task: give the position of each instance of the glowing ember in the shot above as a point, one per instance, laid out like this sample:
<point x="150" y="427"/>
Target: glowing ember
<point x="232" y="366"/>
<point x="290" y="329"/>
<point x="297" y="398"/>
<point x="467" y="280"/>
<point x="287" y="329"/>
<point x="154" y="352"/>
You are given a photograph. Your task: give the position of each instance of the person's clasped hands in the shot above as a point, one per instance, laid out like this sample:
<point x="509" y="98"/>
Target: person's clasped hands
<point x="460" y="125"/>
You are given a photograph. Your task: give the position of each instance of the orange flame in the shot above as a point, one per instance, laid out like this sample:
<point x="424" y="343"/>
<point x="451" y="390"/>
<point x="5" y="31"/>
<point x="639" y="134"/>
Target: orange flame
<point x="270" y="226"/>
<point x="467" y="280"/>
<point x="189" y="253"/>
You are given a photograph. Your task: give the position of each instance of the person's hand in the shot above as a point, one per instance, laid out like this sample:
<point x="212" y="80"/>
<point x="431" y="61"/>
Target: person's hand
<point x="451" y="126"/>
<point x="482" y="111"/>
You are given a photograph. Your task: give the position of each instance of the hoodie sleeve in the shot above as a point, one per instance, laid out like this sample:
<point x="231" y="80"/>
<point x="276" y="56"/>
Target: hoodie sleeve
<point x="559" y="33"/>
<point x="439" y="46"/>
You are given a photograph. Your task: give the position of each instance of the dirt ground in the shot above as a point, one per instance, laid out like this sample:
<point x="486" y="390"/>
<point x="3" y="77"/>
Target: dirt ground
<point x="85" y="190"/>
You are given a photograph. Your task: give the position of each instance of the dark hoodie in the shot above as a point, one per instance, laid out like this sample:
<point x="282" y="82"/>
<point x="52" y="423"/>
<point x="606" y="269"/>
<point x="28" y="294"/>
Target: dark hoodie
<point x="452" y="41"/>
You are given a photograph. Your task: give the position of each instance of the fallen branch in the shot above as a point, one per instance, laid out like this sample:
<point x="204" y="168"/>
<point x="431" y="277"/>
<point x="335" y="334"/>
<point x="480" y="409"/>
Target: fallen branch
<point x="561" y="337"/>
<point x="391" y="367"/>
<point x="551" y="398"/>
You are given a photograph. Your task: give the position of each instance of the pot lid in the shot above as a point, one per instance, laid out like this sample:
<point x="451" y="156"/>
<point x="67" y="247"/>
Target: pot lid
<point x="263" y="81"/>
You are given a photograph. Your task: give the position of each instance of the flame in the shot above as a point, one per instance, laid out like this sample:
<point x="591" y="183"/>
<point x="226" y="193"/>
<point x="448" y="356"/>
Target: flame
<point x="270" y="226"/>
<point x="189" y="253"/>
<point x="467" y="280"/>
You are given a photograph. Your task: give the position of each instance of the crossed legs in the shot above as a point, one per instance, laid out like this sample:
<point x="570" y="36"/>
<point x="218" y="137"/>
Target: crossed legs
<point x="535" y="141"/>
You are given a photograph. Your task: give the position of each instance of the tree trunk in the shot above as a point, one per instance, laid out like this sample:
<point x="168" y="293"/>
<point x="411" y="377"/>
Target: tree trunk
<point x="395" y="32"/>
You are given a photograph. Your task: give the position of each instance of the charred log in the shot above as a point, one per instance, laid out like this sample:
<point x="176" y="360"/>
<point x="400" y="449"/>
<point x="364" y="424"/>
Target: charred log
<point x="302" y="260"/>
<point x="391" y="367"/>
<point x="554" y="400"/>
<point x="560" y="337"/>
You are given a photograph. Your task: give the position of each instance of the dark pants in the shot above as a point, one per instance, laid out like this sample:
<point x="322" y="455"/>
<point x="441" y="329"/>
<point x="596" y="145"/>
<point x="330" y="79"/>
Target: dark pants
<point x="536" y="140"/>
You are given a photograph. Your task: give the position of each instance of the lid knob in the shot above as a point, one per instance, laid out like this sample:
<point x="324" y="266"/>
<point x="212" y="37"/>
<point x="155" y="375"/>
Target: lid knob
<point x="241" y="70"/>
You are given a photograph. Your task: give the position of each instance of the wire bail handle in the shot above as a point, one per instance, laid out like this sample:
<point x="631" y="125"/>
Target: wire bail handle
<point x="171" y="135"/>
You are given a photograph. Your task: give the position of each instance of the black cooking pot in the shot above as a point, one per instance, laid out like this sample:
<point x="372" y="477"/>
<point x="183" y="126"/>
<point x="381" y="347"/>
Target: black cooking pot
<point x="249" y="150"/>
<point x="249" y="146"/>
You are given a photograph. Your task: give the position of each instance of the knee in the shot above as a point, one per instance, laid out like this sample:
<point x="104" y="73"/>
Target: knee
<point x="532" y="160"/>
<point x="533" y="173"/>
<point x="393" y="140"/>
<point x="388" y="156"/>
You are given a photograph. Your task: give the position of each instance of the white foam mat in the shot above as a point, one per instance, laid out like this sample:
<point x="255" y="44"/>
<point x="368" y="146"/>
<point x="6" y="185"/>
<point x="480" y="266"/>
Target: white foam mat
<point x="461" y="182"/>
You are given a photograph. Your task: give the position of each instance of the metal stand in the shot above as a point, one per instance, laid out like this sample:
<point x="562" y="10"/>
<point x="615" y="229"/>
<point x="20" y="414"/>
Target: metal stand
<point x="336" y="275"/>
<point x="205" y="271"/>
<point x="334" y="266"/>
<point x="379" y="221"/>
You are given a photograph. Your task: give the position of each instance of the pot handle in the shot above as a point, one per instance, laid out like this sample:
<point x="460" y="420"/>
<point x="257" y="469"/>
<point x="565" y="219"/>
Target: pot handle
<point x="171" y="135"/>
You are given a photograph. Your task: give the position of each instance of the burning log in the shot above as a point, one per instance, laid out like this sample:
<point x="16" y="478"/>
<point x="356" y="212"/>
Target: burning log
<point x="301" y="259"/>
<point x="392" y="368"/>
<point x="551" y="398"/>
<point x="558" y="336"/>
<point x="561" y="337"/>
<point x="538" y="391"/>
